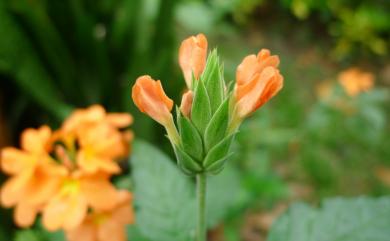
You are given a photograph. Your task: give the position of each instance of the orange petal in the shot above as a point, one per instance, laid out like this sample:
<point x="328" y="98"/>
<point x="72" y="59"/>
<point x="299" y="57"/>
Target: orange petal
<point x="64" y="211"/>
<point x="246" y="70"/>
<point x="14" y="188"/>
<point x="186" y="103"/>
<point x="99" y="192"/>
<point x="84" y="232"/>
<point x="14" y="161"/>
<point x="119" y="120"/>
<point x="150" y="98"/>
<point x="24" y="215"/>
<point x="262" y="88"/>
<point x="110" y="230"/>
<point x="36" y="140"/>
<point x="92" y="164"/>
<point x="192" y="57"/>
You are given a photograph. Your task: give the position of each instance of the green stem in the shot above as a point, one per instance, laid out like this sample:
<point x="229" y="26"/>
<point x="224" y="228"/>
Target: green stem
<point x="201" y="182"/>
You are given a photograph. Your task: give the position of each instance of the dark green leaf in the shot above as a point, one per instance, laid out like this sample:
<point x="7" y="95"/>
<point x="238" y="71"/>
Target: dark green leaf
<point x="338" y="219"/>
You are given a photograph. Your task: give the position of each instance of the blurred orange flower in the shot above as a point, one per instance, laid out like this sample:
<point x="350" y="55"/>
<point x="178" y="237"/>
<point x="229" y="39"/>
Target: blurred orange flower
<point x="192" y="57"/>
<point x="355" y="81"/>
<point x="106" y="225"/>
<point x="69" y="205"/>
<point x="35" y="175"/>
<point x="150" y="98"/>
<point x="66" y="174"/>
<point x="258" y="80"/>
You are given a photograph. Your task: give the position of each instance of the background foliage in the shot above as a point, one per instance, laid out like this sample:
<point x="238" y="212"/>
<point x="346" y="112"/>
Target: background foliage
<point x="58" y="55"/>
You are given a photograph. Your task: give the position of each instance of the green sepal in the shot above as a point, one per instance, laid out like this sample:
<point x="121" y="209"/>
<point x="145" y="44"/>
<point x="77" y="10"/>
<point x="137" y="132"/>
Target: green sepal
<point x="216" y="129"/>
<point x="201" y="110"/>
<point x="190" y="138"/>
<point x="219" y="165"/>
<point x="213" y="80"/>
<point x="189" y="165"/>
<point x="218" y="152"/>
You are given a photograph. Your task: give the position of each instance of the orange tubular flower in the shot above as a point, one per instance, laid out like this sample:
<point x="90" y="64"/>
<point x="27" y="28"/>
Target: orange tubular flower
<point x="355" y="81"/>
<point x="186" y="103"/>
<point x="192" y="57"/>
<point x="68" y="207"/>
<point x="35" y="175"/>
<point x="105" y="226"/>
<point x="150" y="98"/>
<point x="258" y="80"/>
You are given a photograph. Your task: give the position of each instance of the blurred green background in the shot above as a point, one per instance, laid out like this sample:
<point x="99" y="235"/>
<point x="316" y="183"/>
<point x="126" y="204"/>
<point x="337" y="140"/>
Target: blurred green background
<point x="57" y="55"/>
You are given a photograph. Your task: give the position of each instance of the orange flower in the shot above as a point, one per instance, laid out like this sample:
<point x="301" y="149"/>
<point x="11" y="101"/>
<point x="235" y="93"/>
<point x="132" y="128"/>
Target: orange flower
<point x="186" y="103"/>
<point x="99" y="147"/>
<point x="192" y="57"/>
<point x="82" y="119"/>
<point x="105" y="226"/>
<point x="150" y="98"/>
<point x="355" y="81"/>
<point x="35" y="175"/>
<point x="258" y="80"/>
<point x="69" y="205"/>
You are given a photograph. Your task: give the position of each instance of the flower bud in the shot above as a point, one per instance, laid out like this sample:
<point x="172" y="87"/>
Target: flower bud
<point x="192" y="57"/>
<point x="258" y="80"/>
<point x="186" y="103"/>
<point x="150" y="98"/>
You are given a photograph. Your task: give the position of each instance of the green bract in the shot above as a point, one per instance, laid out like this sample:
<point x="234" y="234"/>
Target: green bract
<point x="204" y="137"/>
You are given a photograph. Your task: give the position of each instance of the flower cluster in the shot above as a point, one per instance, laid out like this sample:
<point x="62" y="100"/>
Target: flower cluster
<point x="210" y="113"/>
<point x="65" y="176"/>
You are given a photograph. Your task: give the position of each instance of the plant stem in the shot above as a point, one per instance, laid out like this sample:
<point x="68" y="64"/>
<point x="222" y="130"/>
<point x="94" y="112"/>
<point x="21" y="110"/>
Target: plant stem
<point x="201" y="182"/>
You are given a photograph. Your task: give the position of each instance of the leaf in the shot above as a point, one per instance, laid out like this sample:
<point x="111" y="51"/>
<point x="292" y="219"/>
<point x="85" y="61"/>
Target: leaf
<point x="213" y="81"/>
<point x="222" y="195"/>
<point x="338" y="219"/>
<point x="191" y="139"/>
<point x="218" y="152"/>
<point x="201" y="110"/>
<point x="216" y="129"/>
<point x="165" y="202"/>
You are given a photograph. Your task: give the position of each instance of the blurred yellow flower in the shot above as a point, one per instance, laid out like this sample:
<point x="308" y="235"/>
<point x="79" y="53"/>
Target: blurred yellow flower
<point x="106" y="225"/>
<point x="355" y="81"/>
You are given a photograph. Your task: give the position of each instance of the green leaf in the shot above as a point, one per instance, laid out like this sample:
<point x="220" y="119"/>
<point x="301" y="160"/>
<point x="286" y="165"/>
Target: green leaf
<point x="201" y="110"/>
<point x="222" y="195"/>
<point x="338" y="219"/>
<point x="165" y="202"/>
<point x="189" y="165"/>
<point x="213" y="81"/>
<point x="190" y="137"/>
<point x="19" y="60"/>
<point x="216" y="129"/>
<point x="218" y="152"/>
